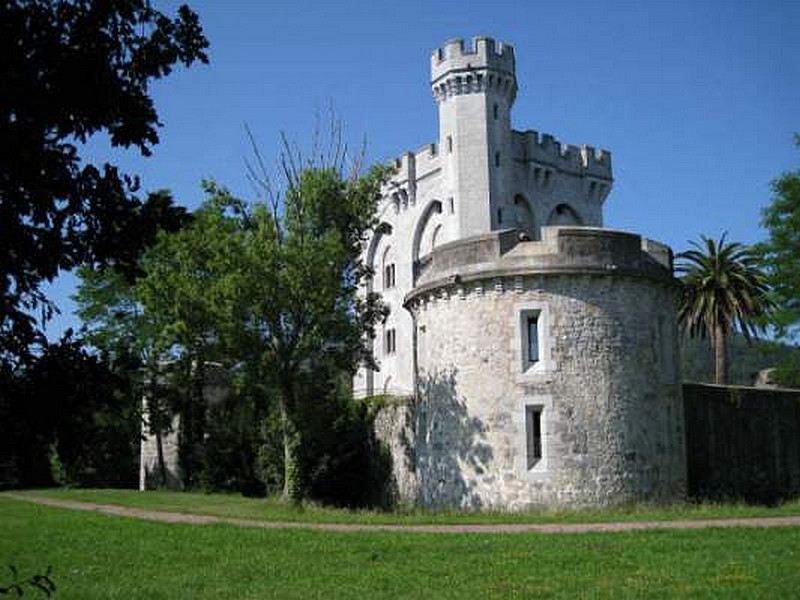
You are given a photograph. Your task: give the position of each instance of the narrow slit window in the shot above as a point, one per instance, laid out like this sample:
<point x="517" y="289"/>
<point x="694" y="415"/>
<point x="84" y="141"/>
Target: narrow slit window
<point x="390" y="343"/>
<point x="494" y="110"/>
<point x="533" y="338"/>
<point x="449" y="144"/>
<point x="533" y="433"/>
<point x="496" y="159"/>
<point x="389" y="276"/>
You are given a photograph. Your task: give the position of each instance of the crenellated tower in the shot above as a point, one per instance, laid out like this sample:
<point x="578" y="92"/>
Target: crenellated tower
<point x="474" y="87"/>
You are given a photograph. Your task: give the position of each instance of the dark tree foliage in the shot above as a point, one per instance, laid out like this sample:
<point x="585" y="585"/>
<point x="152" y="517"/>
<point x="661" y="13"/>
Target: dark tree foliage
<point x="344" y="463"/>
<point x="747" y="359"/>
<point x="71" y="419"/>
<point x="69" y="70"/>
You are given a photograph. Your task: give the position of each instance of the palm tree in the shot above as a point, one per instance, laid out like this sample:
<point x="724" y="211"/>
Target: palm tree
<point x="723" y="290"/>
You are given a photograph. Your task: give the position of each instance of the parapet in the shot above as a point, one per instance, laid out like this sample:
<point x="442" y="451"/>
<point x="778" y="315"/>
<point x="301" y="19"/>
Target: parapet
<point x="483" y="53"/>
<point x="531" y="146"/>
<point x="563" y="250"/>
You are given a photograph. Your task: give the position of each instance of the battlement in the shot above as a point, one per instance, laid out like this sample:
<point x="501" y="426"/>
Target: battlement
<point x="410" y="167"/>
<point x="482" y="54"/>
<point x="532" y="147"/>
<point x="416" y="164"/>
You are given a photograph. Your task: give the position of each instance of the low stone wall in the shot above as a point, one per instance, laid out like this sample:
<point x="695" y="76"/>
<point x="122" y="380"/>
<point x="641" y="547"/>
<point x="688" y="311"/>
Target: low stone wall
<point x="742" y="443"/>
<point x="395" y="429"/>
<point x="216" y="389"/>
<point x="150" y="476"/>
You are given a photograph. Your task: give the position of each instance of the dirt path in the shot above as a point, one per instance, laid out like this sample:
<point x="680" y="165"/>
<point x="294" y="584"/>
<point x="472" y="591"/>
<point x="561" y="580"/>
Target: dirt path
<point x="173" y="517"/>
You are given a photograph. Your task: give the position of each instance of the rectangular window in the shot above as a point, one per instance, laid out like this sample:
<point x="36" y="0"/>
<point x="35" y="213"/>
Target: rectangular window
<point x="388" y="276"/>
<point x="390" y="344"/>
<point x="533" y="338"/>
<point x="449" y="144"/>
<point x="533" y="434"/>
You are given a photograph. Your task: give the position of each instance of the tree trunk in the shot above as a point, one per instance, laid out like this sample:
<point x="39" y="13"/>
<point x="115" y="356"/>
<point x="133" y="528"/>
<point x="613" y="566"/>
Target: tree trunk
<point x="720" y="356"/>
<point x="292" y="475"/>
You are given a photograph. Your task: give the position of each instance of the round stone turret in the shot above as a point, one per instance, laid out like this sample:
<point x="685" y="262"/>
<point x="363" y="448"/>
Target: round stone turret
<point x="485" y="66"/>
<point x="547" y="372"/>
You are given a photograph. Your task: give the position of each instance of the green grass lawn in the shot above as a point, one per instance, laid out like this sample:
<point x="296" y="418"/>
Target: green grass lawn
<point x="272" y="509"/>
<point x="98" y="556"/>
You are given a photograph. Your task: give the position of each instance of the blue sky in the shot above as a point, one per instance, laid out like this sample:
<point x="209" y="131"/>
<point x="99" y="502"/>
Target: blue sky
<point x="697" y="100"/>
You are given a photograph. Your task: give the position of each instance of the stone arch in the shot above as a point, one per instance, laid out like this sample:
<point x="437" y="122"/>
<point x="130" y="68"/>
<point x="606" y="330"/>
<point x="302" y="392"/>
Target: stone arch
<point x="381" y="231"/>
<point x="524" y="217"/>
<point x="434" y="208"/>
<point x="564" y="214"/>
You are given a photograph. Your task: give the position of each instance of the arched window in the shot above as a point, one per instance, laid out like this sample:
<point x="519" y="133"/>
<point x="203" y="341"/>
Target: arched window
<point x="435" y="236"/>
<point x="388" y="268"/>
<point x="379" y="240"/>
<point x="524" y="218"/>
<point x="423" y="233"/>
<point x="564" y="214"/>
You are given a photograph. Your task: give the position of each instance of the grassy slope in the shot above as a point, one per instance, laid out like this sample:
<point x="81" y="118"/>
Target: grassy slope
<point x="270" y="509"/>
<point x="96" y="556"/>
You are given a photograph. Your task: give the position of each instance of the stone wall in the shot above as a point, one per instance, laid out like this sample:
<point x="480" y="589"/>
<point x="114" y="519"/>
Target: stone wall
<point x="216" y="389"/>
<point x="395" y="427"/>
<point x="150" y="476"/>
<point x="605" y="384"/>
<point x="742" y="443"/>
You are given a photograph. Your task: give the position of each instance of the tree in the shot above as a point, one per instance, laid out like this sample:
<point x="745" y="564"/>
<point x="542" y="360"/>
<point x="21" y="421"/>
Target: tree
<point x="115" y="325"/>
<point x="75" y="420"/>
<point x="305" y="248"/>
<point x="723" y="290"/>
<point x="192" y="296"/>
<point x="271" y="290"/>
<point x="69" y="70"/>
<point x="274" y="286"/>
<point x="781" y="253"/>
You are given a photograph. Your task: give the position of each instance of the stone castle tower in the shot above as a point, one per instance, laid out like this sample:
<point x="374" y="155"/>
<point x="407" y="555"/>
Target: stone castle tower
<point x="531" y="353"/>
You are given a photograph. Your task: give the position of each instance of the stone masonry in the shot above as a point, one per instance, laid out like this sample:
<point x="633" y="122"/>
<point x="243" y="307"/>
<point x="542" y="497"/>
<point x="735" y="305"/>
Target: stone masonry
<point x="536" y="351"/>
<point x="479" y="176"/>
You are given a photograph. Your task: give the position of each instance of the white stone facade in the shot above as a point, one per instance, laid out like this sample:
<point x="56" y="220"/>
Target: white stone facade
<point x="536" y="350"/>
<point x="479" y="176"/>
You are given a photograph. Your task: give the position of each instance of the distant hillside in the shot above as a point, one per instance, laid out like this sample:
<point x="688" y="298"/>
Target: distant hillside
<point x="697" y="359"/>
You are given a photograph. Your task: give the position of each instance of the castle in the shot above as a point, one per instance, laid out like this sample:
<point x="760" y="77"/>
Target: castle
<point x="529" y="356"/>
